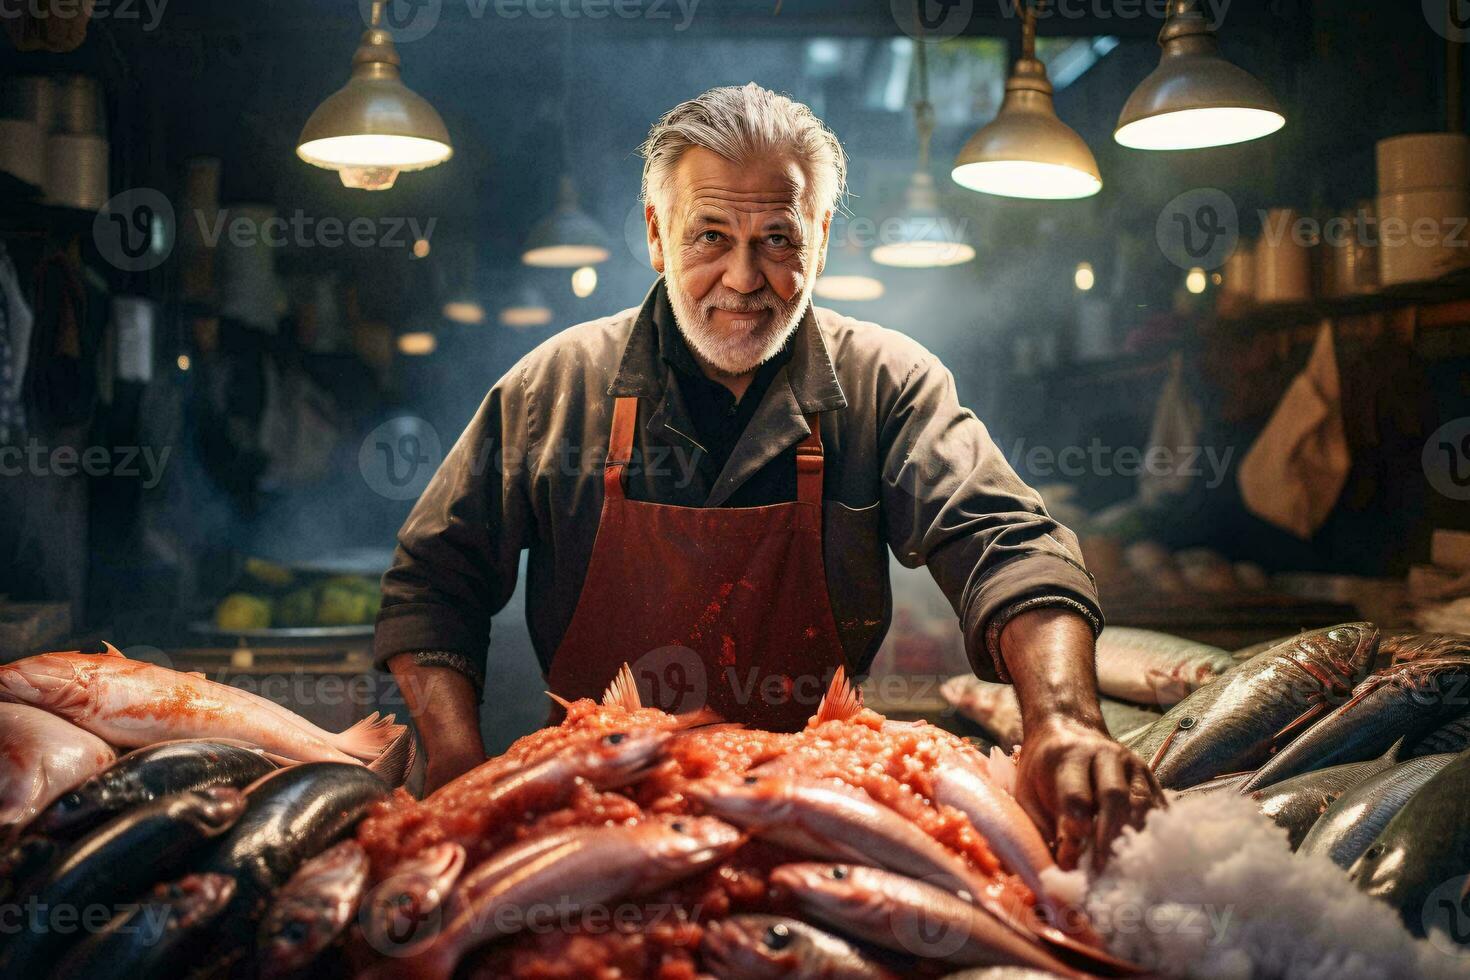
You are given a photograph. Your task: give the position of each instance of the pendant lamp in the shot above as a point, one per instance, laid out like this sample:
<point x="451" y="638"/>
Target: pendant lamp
<point x="374" y="127"/>
<point x="1195" y="98"/>
<point x="1026" y="151"/>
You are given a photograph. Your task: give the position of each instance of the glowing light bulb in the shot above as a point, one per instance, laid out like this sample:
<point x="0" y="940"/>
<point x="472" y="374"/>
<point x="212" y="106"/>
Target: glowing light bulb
<point x="1085" y="278"/>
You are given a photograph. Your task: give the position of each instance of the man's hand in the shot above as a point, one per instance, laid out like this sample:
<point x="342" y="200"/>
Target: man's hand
<point x="1078" y="784"/>
<point x="1080" y="787"/>
<point x="447" y="715"/>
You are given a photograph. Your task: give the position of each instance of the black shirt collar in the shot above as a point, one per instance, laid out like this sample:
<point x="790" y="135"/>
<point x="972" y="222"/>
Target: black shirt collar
<point x="643" y="368"/>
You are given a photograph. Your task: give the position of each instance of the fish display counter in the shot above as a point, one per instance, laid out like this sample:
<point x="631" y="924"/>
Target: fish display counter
<point x="216" y="834"/>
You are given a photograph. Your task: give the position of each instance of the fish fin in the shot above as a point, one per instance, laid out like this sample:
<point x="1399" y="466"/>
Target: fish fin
<point x="842" y="702"/>
<point x="702" y="718"/>
<point x="369" y="738"/>
<point x="397" y="759"/>
<point x="108" y="650"/>
<point x="623" y="691"/>
<point x="565" y="704"/>
<point x="1001" y="769"/>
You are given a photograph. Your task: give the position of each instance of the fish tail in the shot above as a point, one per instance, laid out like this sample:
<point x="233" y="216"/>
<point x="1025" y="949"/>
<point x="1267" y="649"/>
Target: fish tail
<point x="397" y="760"/>
<point x="369" y="738"/>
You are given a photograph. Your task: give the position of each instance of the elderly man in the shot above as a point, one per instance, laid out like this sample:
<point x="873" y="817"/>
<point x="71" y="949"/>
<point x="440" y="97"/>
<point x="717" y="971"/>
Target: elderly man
<point x="751" y="455"/>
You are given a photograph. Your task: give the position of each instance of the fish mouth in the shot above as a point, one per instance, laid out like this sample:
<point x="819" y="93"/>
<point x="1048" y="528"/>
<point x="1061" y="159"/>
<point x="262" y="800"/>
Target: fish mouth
<point x="221" y="807"/>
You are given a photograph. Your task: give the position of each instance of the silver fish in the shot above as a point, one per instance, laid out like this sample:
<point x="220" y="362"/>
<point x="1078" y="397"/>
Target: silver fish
<point x="909" y="917"/>
<point x="1406" y="701"/>
<point x="1233" y="724"/>
<point x="1296" y="804"/>
<point x="312" y="910"/>
<point x="1149" y="667"/>
<point x="1419" y="862"/>
<point x="1347" y="828"/>
<point x="769" y="947"/>
<point x="996" y="709"/>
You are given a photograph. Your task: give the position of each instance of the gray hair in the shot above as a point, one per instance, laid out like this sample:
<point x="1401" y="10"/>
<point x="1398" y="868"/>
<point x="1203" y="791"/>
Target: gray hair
<point x="739" y="123"/>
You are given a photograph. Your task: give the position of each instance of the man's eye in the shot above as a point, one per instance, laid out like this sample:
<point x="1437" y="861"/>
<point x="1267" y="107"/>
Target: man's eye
<point x="709" y="237"/>
<point x="778" y="241"/>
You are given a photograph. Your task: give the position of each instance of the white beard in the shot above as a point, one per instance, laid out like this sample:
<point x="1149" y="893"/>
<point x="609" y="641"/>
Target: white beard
<point x="738" y="350"/>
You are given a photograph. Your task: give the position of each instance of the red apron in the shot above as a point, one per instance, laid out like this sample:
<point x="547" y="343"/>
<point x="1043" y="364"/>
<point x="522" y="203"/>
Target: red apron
<point x="724" y="607"/>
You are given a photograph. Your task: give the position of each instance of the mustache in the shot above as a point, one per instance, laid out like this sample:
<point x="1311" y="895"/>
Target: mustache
<point x="733" y="302"/>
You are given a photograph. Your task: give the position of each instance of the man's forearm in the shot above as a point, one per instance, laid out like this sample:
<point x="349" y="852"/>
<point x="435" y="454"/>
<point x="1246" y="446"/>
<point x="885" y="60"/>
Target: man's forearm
<point x="446" y="712"/>
<point x="1049" y="654"/>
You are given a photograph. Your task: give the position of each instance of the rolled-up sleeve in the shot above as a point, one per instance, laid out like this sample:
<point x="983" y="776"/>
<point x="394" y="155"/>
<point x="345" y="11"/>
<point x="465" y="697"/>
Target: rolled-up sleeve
<point x="954" y="504"/>
<point x="459" y="551"/>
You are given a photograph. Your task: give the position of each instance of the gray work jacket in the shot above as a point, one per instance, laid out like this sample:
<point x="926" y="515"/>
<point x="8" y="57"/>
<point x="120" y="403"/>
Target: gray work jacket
<point x="907" y="468"/>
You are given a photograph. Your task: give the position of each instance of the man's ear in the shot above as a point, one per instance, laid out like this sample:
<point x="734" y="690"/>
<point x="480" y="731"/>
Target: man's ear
<point x="826" y="241"/>
<point x="655" y="238"/>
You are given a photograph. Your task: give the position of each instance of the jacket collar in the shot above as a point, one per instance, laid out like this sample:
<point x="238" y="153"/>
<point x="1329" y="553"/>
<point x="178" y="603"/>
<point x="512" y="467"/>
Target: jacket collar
<point x="810" y="376"/>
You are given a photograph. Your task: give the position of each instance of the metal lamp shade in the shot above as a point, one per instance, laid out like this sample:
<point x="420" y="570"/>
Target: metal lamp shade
<point x="374" y="126"/>
<point x="568" y="238"/>
<point x="1027" y="151"/>
<point x="1195" y="98"/>
<point x="526" y="307"/>
<point x="921" y="237"/>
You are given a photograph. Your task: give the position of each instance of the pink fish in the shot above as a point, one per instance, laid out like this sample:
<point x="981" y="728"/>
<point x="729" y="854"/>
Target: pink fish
<point x="132" y="703"/>
<point x="41" y="757"/>
<point x="586" y="868"/>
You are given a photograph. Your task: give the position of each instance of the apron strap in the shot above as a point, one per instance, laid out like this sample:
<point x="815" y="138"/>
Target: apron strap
<point x="620" y="446"/>
<point x="809" y="465"/>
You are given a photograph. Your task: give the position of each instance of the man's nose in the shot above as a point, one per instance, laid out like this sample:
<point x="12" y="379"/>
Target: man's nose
<point x="742" y="271"/>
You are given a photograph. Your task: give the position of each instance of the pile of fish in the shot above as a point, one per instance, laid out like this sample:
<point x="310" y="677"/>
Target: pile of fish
<point x="137" y="865"/>
<point x="1352" y="741"/>
<point x="627" y="842"/>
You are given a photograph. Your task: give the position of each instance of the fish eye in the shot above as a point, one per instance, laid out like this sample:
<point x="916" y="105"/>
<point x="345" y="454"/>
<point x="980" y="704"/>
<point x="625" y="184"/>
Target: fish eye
<point x="1375" y="851"/>
<point x="778" y="936"/>
<point x="616" y="738"/>
<point x="752" y="780"/>
<point x="403" y="900"/>
<point x="1185" y="724"/>
<point x="839" y="874"/>
<point x="295" y="931"/>
<point x="678" y="826"/>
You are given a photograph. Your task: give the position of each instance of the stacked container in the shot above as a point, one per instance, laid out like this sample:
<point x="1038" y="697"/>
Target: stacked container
<point x="1423" y="206"/>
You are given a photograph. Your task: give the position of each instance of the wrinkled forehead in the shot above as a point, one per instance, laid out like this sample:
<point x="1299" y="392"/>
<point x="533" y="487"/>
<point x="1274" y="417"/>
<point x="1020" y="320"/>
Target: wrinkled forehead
<point x="706" y="186"/>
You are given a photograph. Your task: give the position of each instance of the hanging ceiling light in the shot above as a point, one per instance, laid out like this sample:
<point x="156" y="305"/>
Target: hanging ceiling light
<point x="1195" y="98"/>
<point x="525" y="308"/>
<point x="1026" y="151"/>
<point x="922" y="236"/>
<point x="849" y="275"/>
<point x="568" y="238"/>
<point x="584" y="281"/>
<point x="374" y="126"/>
<point x="458" y="284"/>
